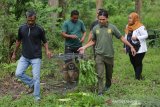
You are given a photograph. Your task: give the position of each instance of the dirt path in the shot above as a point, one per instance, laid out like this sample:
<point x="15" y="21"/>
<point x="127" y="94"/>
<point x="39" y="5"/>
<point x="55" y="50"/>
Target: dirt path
<point x="11" y="86"/>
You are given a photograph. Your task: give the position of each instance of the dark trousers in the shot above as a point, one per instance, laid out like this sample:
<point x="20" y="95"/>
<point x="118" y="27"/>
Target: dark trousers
<point x="71" y="50"/>
<point x="136" y="61"/>
<point x="104" y="69"/>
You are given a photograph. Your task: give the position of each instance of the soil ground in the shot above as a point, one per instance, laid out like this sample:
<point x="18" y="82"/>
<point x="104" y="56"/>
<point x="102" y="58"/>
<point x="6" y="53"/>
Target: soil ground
<point x="10" y="85"/>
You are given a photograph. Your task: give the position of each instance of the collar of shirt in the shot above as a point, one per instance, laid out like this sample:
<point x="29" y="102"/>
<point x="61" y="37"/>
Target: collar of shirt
<point x="101" y="26"/>
<point x="30" y="26"/>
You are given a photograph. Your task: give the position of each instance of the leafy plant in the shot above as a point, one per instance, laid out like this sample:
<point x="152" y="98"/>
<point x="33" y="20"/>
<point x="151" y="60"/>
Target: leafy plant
<point x="7" y="69"/>
<point x="88" y="76"/>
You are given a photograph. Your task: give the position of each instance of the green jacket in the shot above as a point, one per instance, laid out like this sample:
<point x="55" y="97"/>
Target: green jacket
<point x="103" y="35"/>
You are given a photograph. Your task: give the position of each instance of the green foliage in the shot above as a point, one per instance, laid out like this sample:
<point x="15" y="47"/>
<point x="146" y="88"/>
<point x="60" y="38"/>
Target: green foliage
<point x="150" y="16"/>
<point x="150" y="19"/>
<point x="119" y="7"/>
<point x="8" y="29"/>
<point x="7" y="69"/>
<point x="85" y="99"/>
<point x="51" y="67"/>
<point x="119" y="21"/>
<point x="79" y="99"/>
<point x="20" y="7"/>
<point x="25" y="101"/>
<point x="88" y="76"/>
<point x="5" y="101"/>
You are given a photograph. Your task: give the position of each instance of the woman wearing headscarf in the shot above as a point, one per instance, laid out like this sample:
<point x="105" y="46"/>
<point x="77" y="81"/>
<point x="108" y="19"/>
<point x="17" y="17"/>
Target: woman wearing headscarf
<point x="136" y="34"/>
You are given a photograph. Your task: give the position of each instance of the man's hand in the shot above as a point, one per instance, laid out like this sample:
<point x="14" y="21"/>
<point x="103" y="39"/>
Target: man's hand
<point x="13" y="56"/>
<point x="133" y="51"/>
<point x="49" y="54"/>
<point x="82" y="39"/>
<point x="73" y="36"/>
<point x="81" y="50"/>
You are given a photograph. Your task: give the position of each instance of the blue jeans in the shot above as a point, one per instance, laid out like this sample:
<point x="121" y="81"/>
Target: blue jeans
<point x="35" y="81"/>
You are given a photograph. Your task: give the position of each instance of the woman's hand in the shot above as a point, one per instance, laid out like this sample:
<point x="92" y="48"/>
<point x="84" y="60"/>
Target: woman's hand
<point x="133" y="51"/>
<point x="134" y="38"/>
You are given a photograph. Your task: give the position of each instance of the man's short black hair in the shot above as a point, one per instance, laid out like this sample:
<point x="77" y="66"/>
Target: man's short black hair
<point x="103" y="13"/>
<point x="30" y="13"/>
<point x="74" y="12"/>
<point x="100" y="9"/>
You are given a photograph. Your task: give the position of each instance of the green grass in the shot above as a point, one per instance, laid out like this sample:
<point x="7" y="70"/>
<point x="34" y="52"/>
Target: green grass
<point x="124" y="92"/>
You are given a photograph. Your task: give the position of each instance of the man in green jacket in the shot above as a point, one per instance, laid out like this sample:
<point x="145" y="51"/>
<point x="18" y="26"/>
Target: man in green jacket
<point x="102" y="39"/>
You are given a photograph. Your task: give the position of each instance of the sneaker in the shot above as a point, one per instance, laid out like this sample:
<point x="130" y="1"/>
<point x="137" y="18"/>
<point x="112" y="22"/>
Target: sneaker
<point x="37" y="99"/>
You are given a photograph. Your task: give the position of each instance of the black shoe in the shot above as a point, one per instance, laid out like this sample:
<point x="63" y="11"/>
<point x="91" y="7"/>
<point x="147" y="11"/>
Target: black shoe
<point x="106" y="88"/>
<point x="140" y="78"/>
<point x="100" y="94"/>
<point x="30" y="90"/>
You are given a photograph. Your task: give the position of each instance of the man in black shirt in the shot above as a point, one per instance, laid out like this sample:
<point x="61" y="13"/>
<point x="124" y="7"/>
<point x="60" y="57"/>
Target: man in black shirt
<point x="92" y="25"/>
<point x="31" y="35"/>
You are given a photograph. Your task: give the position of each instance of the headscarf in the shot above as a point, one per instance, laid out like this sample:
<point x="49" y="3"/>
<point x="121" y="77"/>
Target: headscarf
<point x="136" y="23"/>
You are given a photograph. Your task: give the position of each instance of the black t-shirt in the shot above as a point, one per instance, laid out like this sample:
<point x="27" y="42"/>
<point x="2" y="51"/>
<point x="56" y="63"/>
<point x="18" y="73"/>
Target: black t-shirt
<point x="93" y="24"/>
<point x="31" y="37"/>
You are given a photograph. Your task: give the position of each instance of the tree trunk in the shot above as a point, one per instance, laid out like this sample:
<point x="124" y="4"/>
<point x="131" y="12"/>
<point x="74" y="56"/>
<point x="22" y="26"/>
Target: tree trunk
<point x="54" y="15"/>
<point x="54" y="3"/>
<point x="99" y="4"/>
<point x="138" y="5"/>
<point x="62" y="4"/>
